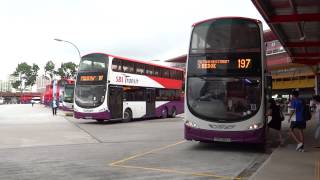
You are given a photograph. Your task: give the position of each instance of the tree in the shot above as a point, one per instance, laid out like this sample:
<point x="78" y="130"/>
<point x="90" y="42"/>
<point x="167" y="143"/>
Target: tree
<point x="26" y="76"/>
<point x="49" y="71"/>
<point x="67" y="70"/>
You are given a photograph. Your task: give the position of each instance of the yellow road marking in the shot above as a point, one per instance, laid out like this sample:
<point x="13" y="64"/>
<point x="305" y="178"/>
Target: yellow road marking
<point x="119" y="164"/>
<point x="178" y="172"/>
<point x="145" y="153"/>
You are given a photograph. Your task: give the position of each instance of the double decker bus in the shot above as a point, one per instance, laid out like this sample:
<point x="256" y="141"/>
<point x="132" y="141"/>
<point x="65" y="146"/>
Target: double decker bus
<point x="225" y="95"/>
<point x="110" y="87"/>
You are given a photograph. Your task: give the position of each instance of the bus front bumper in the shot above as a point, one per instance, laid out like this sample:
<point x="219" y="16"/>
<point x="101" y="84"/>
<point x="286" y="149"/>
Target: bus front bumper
<point x="249" y="136"/>
<point x="98" y="116"/>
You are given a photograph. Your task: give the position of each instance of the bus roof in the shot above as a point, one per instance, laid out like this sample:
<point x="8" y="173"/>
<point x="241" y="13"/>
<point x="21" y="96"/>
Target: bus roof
<point x="227" y="17"/>
<point x="138" y="61"/>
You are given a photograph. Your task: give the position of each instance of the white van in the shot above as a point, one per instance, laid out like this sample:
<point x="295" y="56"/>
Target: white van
<point x="35" y="100"/>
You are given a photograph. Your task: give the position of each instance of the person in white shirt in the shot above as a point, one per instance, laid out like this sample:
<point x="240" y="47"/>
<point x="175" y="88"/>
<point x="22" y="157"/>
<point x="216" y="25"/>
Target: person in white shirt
<point x="316" y="101"/>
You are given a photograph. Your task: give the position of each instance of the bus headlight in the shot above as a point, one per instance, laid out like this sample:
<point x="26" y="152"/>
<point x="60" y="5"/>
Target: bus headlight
<point x="255" y="126"/>
<point x="75" y="109"/>
<point x="191" y="124"/>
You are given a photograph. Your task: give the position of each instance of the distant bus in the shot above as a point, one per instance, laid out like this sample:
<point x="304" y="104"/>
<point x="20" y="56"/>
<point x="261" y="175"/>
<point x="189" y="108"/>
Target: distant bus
<point x="59" y="90"/>
<point x="110" y="87"/>
<point x="67" y="97"/>
<point x="225" y="87"/>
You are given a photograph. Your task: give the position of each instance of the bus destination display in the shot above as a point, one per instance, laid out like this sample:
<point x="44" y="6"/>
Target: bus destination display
<point x="224" y="63"/>
<point x="91" y="78"/>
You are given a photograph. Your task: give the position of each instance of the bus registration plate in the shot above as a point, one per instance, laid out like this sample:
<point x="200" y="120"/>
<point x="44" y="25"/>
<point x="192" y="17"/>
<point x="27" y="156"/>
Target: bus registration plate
<point x="222" y="139"/>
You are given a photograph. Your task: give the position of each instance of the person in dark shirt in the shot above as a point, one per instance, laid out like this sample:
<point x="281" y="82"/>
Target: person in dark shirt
<point x="275" y="123"/>
<point x="299" y="124"/>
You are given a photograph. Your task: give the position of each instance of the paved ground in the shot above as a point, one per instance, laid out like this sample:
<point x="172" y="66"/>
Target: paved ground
<point x="36" y="145"/>
<point x="287" y="163"/>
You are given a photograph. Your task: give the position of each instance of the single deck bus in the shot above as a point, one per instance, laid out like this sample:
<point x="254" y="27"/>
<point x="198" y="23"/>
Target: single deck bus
<point x="225" y="85"/>
<point x="110" y="87"/>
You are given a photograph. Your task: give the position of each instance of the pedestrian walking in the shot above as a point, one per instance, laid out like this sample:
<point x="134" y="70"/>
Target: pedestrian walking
<point x="316" y="102"/>
<point x="276" y="118"/>
<point x="54" y="106"/>
<point x="299" y="123"/>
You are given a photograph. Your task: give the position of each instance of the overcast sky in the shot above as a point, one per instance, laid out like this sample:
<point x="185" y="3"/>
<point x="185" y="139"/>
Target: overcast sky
<point x="141" y="29"/>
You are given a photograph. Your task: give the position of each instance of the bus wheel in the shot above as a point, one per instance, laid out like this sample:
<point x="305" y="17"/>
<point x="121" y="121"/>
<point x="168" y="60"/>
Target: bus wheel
<point x="173" y="112"/>
<point x="164" y="112"/>
<point x="127" y="116"/>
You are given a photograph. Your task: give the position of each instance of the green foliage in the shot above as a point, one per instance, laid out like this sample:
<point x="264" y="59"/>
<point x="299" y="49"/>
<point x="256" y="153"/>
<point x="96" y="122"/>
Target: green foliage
<point x="49" y="70"/>
<point x="67" y="70"/>
<point x="26" y="76"/>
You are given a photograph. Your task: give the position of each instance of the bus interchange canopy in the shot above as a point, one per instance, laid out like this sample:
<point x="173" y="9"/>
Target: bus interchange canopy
<point x="296" y="23"/>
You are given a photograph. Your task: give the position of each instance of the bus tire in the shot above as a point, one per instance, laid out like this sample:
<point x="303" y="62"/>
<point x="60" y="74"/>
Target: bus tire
<point x="173" y="112"/>
<point x="127" y="116"/>
<point x="164" y="113"/>
<point x="100" y="121"/>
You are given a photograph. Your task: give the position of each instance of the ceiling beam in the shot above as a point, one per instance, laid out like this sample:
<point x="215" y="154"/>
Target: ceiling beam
<point x="286" y="4"/>
<point x="306" y="61"/>
<point x="294" y="18"/>
<point x="303" y="44"/>
<point x="299" y="55"/>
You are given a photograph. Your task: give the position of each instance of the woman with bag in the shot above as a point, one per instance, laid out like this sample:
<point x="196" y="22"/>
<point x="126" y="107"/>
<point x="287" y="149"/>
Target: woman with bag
<point x="276" y="117"/>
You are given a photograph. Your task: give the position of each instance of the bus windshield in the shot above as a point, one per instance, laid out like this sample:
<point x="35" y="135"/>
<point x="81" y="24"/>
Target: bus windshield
<point x="94" y="62"/>
<point x="224" y="98"/>
<point x="90" y="96"/>
<point x="68" y="93"/>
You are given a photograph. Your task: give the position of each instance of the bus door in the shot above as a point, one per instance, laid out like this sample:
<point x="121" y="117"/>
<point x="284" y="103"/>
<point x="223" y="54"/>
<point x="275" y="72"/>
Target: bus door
<point x="150" y="102"/>
<point x="115" y="101"/>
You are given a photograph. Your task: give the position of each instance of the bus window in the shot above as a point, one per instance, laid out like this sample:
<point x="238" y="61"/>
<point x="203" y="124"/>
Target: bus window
<point x="98" y="65"/>
<point x="165" y="73"/>
<point x="156" y="71"/>
<point x="130" y="67"/>
<point x="116" y="65"/>
<point x="173" y="74"/>
<point x="149" y="70"/>
<point x="125" y="66"/>
<point x="139" y="68"/>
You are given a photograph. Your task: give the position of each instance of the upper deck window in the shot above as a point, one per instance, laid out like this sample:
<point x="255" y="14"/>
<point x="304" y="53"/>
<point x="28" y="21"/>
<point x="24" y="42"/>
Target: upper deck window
<point x="226" y="35"/>
<point x="93" y="62"/>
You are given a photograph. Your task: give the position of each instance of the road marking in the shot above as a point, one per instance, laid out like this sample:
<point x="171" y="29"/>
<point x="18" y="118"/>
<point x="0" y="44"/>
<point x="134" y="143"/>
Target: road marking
<point x="179" y="172"/>
<point x="145" y="153"/>
<point x="120" y="164"/>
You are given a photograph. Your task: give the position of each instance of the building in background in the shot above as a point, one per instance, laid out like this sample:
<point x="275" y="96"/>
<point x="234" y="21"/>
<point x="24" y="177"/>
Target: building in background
<point x="5" y="86"/>
<point x="41" y="83"/>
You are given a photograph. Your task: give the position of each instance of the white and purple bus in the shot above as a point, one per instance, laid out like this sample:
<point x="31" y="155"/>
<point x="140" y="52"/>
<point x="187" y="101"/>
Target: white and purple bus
<point x="225" y="85"/>
<point x="67" y="97"/>
<point x="110" y="87"/>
